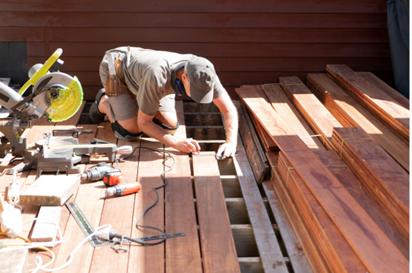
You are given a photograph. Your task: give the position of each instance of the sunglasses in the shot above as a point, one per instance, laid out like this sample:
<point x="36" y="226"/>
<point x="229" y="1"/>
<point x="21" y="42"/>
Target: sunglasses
<point x="177" y="84"/>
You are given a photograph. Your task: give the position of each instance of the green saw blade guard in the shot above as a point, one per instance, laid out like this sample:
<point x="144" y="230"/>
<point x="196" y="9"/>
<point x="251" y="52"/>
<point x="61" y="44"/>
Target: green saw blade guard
<point x="67" y="103"/>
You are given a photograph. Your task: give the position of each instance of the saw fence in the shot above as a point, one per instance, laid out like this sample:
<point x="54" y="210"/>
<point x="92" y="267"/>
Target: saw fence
<point x="338" y="152"/>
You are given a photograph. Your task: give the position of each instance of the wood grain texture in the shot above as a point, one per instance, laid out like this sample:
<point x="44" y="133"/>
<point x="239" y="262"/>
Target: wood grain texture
<point x="268" y="246"/>
<point x="148" y="258"/>
<point x="299" y="6"/>
<point x="378" y="172"/>
<point x="183" y="253"/>
<point x="253" y="148"/>
<point x="289" y="205"/>
<point x="290" y="114"/>
<point x="338" y="254"/>
<point x="197" y="19"/>
<point x="368" y="241"/>
<point x="384" y="107"/>
<point x="217" y="245"/>
<point x="295" y="251"/>
<point x="87" y="49"/>
<point x="351" y="114"/>
<point x="318" y="117"/>
<point x="381" y="216"/>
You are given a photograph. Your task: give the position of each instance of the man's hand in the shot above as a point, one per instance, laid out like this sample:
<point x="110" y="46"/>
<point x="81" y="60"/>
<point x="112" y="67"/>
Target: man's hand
<point x="227" y="149"/>
<point x="188" y="146"/>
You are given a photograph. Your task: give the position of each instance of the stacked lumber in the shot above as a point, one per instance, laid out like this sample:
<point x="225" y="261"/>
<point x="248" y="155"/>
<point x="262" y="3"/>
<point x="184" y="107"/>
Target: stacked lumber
<point x="379" y="173"/>
<point x="339" y="231"/>
<point x="351" y="114"/>
<point x="318" y="117"/>
<point x="384" y="107"/>
<point x="285" y="108"/>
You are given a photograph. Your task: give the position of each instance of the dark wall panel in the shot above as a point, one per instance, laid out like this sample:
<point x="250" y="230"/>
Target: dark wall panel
<point x="13" y="62"/>
<point x="249" y="42"/>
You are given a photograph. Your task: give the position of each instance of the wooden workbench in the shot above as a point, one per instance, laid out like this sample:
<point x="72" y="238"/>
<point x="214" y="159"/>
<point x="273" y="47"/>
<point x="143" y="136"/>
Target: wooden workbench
<point x="229" y="224"/>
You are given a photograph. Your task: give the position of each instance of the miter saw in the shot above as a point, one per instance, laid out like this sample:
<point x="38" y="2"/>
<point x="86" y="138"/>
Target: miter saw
<point x="56" y="96"/>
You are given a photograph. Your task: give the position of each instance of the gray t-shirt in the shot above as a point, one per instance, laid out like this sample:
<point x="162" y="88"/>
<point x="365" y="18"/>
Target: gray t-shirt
<point x="148" y="75"/>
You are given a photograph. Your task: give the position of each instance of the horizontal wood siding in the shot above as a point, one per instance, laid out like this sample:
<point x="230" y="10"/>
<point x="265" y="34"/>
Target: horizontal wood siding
<point x="249" y="42"/>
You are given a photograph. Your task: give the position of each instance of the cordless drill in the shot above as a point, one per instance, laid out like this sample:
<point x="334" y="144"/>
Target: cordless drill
<point x="96" y="173"/>
<point x="118" y="185"/>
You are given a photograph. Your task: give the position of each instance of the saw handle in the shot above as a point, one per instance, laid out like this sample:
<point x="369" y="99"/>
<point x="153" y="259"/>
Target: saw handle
<point x="42" y="71"/>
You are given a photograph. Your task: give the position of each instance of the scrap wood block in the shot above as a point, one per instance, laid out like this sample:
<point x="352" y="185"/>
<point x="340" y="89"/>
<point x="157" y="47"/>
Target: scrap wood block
<point x="384" y="107"/>
<point x="334" y="248"/>
<point x="50" y="190"/>
<point x="317" y="116"/>
<point x="288" y="112"/>
<point x="351" y="114"/>
<point x="380" y="215"/>
<point x="379" y="173"/>
<point x="44" y="229"/>
<point x="369" y="242"/>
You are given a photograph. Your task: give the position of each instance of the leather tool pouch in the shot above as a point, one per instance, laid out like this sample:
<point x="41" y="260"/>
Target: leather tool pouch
<point x="115" y="84"/>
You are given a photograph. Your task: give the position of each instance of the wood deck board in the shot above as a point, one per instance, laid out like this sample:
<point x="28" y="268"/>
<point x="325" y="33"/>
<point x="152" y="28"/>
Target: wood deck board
<point x="148" y="258"/>
<point x="183" y="253"/>
<point x="268" y="246"/>
<point x="217" y="246"/>
<point x="295" y="251"/>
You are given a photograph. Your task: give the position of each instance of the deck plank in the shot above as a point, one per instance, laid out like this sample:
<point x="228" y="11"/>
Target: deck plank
<point x="148" y="258"/>
<point x="182" y="253"/>
<point x="295" y="251"/>
<point x="267" y="243"/>
<point x="218" y="248"/>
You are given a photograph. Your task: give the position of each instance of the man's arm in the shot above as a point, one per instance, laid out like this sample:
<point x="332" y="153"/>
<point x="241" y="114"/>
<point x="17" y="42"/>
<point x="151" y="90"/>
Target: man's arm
<point x="145" y="123"/>
<point x="226" y="107"/>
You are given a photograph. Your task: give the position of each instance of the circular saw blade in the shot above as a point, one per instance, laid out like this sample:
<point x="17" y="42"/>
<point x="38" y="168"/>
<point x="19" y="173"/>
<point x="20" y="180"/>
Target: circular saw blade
<point x="66" y="101"/>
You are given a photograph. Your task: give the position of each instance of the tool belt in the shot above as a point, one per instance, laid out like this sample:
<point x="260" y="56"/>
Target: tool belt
<point x="115" y="84"/>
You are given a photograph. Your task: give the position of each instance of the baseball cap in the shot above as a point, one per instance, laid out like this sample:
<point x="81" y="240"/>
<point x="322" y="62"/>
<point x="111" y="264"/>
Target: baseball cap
<point x="202" y="77"/>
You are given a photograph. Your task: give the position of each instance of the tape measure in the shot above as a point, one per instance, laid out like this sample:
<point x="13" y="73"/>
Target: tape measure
<point x="95" y="240"/>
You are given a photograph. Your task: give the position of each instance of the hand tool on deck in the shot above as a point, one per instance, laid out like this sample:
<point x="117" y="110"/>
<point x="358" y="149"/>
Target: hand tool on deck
<point x="123" y="189"/>
<point x="96" y="173"/>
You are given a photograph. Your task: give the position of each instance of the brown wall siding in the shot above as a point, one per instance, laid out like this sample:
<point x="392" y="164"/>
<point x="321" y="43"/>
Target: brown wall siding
<point x="250" y="42"/>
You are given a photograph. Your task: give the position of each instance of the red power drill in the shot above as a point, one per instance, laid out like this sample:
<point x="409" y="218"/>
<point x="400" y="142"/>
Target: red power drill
<point x="118" y="185"/>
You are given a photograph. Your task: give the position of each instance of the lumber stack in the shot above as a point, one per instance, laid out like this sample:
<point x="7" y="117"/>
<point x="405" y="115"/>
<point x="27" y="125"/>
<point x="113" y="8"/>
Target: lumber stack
<point x="379" y="173"/>
<point x="352" y="114"/>
<point x="344" y="222"/>
<point x="317" y="116"/>
<point x="383" y="106"/>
